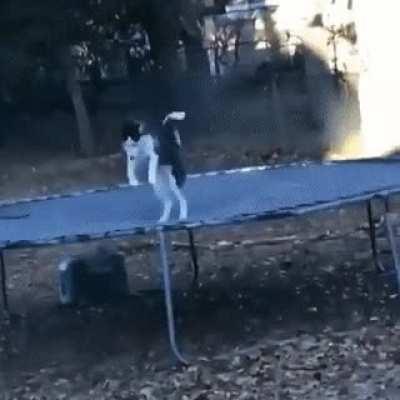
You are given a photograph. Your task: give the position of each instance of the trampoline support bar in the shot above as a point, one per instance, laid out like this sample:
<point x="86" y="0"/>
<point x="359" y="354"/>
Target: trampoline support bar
<point x="372" y="234"/>
<point x="195" y="263"/>
<point x="3" y="282"/>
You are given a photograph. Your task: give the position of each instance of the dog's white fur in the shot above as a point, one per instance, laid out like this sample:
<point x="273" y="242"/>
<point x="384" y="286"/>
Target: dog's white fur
<point x="159" y="176"/>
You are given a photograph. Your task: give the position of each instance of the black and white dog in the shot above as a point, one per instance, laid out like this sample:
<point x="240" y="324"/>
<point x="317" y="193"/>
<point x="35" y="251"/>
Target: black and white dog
<point x="157" y="159"/>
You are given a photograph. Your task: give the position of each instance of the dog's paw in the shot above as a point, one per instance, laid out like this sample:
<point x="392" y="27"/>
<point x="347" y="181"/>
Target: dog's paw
<point x="183" y="218"/>
<point x="134" y="183"/>
<point x="152" y="177"/>
<point x="164" y="218"/>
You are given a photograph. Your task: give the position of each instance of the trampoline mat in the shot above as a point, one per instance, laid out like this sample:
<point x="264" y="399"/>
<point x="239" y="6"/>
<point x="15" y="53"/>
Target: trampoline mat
<point x="215" y="198"/>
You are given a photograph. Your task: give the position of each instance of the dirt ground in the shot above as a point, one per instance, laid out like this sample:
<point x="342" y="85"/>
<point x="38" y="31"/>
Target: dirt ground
<point x="298" y="318"/>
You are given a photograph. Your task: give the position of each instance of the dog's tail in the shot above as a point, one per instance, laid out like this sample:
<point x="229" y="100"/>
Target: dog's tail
<point x="174" y="116"/>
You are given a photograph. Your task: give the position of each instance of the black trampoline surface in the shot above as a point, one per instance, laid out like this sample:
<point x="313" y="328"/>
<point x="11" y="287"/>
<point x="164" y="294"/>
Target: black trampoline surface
<point x="215" y="198"/>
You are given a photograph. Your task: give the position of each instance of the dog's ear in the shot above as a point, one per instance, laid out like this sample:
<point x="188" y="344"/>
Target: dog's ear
<point x="124" y="136"/>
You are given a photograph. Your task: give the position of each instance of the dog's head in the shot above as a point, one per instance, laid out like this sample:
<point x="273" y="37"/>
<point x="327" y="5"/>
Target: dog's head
<point x="131" y="130"/>
<point x="130" y="135"/>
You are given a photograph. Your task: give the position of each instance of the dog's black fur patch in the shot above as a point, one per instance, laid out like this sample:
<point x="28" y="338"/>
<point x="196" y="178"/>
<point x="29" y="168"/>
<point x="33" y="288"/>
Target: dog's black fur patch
<point x="130" y="128"/>
<point x="170" y="152"/>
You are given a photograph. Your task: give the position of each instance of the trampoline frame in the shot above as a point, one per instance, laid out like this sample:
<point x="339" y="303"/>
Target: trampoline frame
<point x="162" y="231"/>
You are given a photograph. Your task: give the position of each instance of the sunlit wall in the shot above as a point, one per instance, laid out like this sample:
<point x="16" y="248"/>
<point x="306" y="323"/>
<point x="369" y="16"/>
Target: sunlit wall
<point x="378" y="30"/>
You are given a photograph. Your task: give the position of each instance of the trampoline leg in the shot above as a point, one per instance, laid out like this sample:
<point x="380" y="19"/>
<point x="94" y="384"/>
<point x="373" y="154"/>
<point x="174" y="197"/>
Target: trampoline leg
<point x="387" y="204"/>
<point x="3" y="282"/>
<point x="372" y="236"/>
<point x="193" y="254"/>
<point x="168" y="298"/>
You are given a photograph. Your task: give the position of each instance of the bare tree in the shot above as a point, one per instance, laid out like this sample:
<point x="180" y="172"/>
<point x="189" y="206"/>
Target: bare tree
<point x="86" y="138"/>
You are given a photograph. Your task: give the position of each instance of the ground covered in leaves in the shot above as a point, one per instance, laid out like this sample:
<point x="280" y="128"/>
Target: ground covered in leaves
<point x="301" y="316"/>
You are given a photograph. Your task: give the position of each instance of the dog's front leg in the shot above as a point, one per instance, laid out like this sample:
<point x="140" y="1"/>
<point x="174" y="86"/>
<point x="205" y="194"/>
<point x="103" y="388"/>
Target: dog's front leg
<point x="153" y="166"/>
<point x="131" y="171"/>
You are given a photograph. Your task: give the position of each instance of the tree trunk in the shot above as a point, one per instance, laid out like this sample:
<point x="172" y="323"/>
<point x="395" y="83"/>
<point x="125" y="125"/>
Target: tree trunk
<point x="86" y="138"/>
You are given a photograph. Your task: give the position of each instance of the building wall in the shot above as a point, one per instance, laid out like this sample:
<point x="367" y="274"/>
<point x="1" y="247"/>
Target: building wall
<point x="337" y="13"/>
<point x="378" y="30"/>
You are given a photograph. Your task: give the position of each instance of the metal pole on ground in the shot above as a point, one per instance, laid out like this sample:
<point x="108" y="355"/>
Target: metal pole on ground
<point x="168" y="297"/>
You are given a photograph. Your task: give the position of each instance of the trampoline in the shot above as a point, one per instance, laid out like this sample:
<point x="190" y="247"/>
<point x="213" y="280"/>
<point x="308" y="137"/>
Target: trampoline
<point x="214" y="198"/>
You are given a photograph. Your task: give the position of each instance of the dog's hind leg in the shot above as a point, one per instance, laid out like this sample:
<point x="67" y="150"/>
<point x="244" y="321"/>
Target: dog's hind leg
<point x="163" y="192"/>
<point x="183" y="206"/>
<point x="167" y="207"/>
